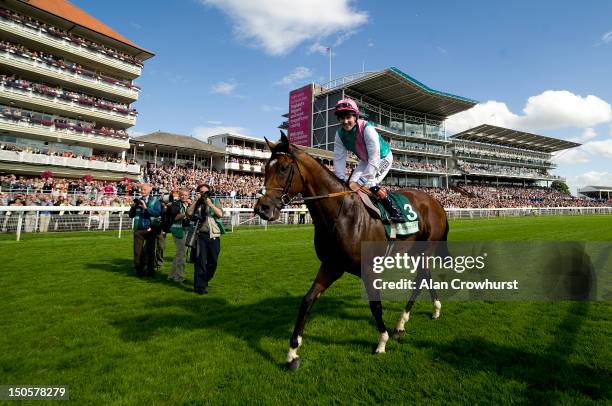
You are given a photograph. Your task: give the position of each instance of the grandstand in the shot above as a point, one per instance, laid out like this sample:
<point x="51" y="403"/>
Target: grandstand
<point x="491" y="154"/>
<point x="408" y="114"/>
<point x="411" y="116"/>
<point x="168" y="149"/>
<point x="596" y="192"/>
<point x="66" y="89"/>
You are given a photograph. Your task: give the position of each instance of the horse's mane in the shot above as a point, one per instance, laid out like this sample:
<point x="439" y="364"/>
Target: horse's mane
<point x="327" y="170"/>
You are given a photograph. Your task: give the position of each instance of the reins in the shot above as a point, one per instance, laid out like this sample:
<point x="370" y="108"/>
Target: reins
<point x="286" y="199"/>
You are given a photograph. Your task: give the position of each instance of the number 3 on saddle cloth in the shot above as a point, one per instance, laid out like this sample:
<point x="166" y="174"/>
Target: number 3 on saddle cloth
<point x="411" y="225"/>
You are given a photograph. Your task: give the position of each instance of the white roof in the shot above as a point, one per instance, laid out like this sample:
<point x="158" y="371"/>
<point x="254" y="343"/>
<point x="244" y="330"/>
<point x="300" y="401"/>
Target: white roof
<point x="238" y="136"/>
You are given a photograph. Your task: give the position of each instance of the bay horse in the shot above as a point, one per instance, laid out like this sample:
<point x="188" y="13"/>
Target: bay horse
<point x="341" y="224"/>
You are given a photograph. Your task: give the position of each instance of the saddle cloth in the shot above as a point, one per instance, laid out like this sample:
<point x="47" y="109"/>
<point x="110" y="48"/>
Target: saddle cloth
<point x="375" y="207"/>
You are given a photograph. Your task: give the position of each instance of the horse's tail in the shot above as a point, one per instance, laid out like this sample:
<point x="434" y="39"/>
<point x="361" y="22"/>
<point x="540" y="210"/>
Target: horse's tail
<point x="442" y="246"/>
<point x="445" y="238"/>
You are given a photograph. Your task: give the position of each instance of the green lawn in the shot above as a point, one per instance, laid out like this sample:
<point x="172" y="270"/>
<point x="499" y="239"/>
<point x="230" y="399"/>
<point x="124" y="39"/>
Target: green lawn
<point x="73" y="313"/>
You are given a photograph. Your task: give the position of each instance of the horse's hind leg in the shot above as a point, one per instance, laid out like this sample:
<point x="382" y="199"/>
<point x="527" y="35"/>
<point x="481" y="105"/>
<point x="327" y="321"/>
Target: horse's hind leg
<point x="325" y="277"/>
<point x="400" y="329"/>
<point x="437" y="305"/>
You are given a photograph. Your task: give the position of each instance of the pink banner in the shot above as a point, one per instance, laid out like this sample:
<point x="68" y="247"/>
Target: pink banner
<point x="300" y="115"/>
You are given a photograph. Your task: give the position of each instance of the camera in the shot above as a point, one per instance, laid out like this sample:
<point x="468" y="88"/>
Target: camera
<point x="137" y="201"/>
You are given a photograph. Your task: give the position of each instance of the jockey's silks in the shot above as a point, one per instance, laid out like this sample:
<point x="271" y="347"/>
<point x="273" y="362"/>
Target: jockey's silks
<point x="354" y="141"/>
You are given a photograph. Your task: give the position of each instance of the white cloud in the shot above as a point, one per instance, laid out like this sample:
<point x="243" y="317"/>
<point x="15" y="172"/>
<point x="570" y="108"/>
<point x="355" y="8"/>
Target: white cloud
<point x="317" y="48"/>
<point x="295" y="76"/>
<point x="278" y="26"/>
<point x="370" y="43"/>
<point x="601" y="148"/>
<point x="224" y="87"/>
<point x="267" y="108"/>
<point x="491" y="112"/>
<point x="203" y="132"/>
<point x="571" y="156"/>
<point x="214" y="122"/>
<point x="591" y="178"/>
<point x="441" y="50"/>
<point x="587" y="135"/>
<point x="560" y="108"/>
<point x="549" y="110"/>
<point x="607" y="38"/>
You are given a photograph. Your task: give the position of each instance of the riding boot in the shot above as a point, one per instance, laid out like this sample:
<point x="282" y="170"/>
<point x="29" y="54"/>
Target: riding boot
<point x="394" y="214"/>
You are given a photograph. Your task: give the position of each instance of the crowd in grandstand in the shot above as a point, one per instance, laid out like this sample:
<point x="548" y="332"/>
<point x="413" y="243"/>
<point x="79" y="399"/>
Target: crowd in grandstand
<point x="60" y="93"/>
<point x="472" y="167"/>
<point x="61" y="123"/>
<point x="499" y="153"/>
<point x="62" y="64"/>
<point x="66" y="36"/>
<point x="99" y="156"/>
<point x="423" y="166"/>
<point x="240" y="190"/>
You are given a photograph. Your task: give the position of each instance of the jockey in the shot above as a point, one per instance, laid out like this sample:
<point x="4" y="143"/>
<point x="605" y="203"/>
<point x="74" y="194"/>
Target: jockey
<point x="375" y="158"/>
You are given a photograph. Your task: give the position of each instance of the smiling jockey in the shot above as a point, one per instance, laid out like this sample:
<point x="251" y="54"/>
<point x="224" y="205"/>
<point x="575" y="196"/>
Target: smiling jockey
<point x="375" y="158"/>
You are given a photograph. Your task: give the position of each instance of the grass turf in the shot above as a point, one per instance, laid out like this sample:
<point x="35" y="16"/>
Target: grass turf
<point x="74" y="314"/>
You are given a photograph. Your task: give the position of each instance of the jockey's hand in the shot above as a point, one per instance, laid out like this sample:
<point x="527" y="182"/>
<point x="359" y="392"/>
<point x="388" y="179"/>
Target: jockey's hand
<point x="354" y="186"/>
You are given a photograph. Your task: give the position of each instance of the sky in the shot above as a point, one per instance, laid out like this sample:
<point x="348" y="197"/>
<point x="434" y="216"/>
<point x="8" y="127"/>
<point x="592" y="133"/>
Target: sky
<point x="228" y="65"/>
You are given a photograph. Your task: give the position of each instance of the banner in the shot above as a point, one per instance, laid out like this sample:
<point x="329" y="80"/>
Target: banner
<point x="300" y="115"/>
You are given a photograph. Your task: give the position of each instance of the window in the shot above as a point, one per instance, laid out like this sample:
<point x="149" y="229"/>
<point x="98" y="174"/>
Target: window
<point x="319" y="137"/>
<point x="320" y="104"/>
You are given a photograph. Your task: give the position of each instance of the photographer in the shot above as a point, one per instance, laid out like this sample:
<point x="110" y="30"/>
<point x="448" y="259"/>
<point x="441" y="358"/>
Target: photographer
<point x="179" y="230"/>
<point x="207" y="214"/>
<point x="145" y="211"/>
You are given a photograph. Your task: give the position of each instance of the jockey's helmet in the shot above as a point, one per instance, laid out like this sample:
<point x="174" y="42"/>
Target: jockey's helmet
<point x="346" y="105"/>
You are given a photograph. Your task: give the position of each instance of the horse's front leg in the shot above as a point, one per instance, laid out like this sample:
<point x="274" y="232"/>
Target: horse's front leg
<point x="325" y="277"/>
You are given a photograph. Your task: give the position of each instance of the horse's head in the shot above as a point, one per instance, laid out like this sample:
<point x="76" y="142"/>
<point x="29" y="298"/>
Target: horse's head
<point x="282" y="179"/>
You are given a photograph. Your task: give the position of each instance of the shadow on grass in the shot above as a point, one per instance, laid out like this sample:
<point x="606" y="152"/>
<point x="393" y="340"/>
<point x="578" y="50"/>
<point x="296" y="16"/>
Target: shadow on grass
<point x="269" y="318"/>
<point x="545" y="374"/>
<point x="125" y="267"/>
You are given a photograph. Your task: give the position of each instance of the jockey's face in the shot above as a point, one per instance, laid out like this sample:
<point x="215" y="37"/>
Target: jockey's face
<point x="347" y="121"/>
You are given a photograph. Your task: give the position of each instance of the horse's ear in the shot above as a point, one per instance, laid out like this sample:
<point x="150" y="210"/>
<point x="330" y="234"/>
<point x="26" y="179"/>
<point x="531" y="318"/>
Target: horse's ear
<point x="271" y="144"/>
<point x="284" y="138"/>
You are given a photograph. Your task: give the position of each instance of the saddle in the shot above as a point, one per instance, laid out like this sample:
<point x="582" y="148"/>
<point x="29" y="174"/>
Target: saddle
<point x="377" y="211"/>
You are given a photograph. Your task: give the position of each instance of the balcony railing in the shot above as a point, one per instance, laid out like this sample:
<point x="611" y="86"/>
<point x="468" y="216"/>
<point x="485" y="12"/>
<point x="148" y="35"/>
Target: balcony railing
<point x="28" y="95"/>
<point x="65" y="45"/>
<point x="510" y="174"/>
<point x="67" y="76"/>
<point x="41" y="159"/>
<point x="47" y="129"/>
<point x="412" y="135"/>
<point x="339" y="82"/>
<point x="409" y="169"/>
<point x="421" y="151"/>
<point x="248" y="152"/>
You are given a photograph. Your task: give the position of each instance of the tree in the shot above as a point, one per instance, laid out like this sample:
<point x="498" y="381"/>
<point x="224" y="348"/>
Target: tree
<point x="560" y="186"/>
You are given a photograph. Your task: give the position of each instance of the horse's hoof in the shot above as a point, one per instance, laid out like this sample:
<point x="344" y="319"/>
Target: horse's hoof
<point x="376" y="352"/>
<point x="435" y="316"/>
<point x="397" y="334"/>
<point x="293" y="365"/>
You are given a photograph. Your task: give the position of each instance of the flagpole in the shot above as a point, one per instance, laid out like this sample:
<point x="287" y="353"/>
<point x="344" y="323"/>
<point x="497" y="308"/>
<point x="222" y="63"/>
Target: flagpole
<point x="330" y="63"/>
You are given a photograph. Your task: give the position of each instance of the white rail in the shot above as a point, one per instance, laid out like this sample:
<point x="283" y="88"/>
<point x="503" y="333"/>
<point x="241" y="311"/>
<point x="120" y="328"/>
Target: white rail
<point x="40" y="219"/>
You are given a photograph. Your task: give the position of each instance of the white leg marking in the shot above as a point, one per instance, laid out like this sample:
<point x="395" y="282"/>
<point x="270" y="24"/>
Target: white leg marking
<point x="292" y="354"/>
<point x="436" y="309"/>
<point x="403" y="319"/>
<point x="382" y="342"/>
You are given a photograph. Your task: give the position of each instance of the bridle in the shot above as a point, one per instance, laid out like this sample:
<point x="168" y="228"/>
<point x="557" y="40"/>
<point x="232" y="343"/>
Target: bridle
<point x="286" y="199"/>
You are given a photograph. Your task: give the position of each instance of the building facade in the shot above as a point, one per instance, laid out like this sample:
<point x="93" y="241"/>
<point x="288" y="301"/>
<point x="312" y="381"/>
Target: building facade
<point x="66" y="91"/>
